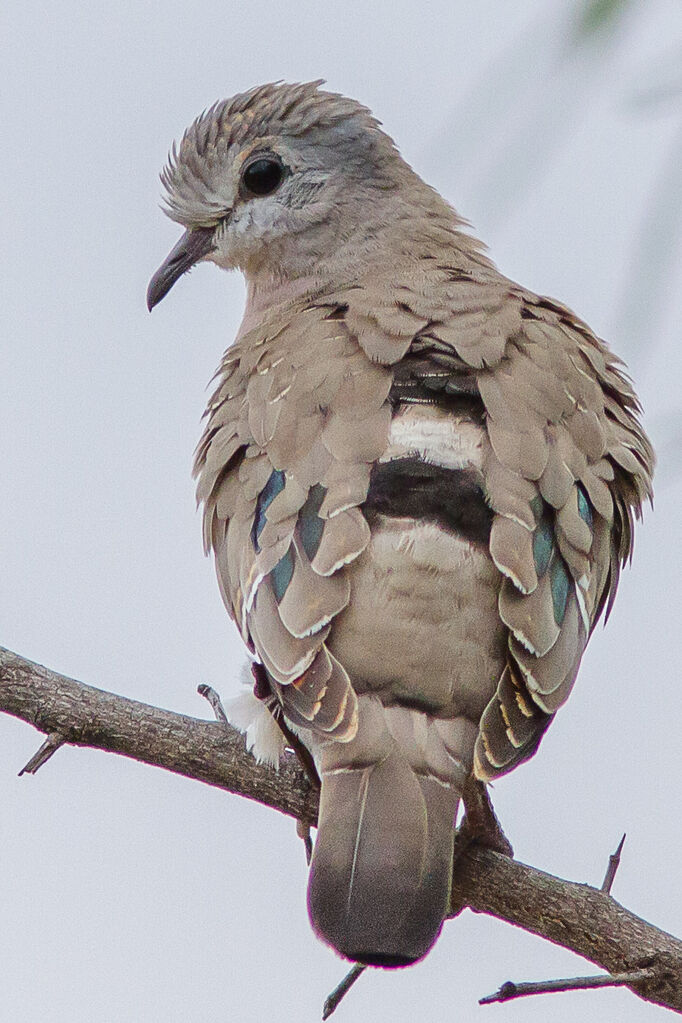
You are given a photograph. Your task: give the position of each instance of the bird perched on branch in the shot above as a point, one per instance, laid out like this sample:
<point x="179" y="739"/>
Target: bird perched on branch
<point x="419" y="482"/>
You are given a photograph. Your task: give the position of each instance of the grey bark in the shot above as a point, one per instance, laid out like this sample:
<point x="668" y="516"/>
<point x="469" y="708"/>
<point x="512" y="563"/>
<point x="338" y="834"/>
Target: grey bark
<point x="576" y="916"/>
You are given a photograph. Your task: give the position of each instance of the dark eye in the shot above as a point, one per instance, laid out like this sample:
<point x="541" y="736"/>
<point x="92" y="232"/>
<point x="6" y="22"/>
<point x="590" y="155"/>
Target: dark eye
<point x="263" y="176"/>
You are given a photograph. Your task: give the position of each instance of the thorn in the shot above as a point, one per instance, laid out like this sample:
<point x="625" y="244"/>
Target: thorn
<point x="303" y="832"/>
<point x="342" y="989"/>
<point x="50" y="746"/>
<point x="614" y="863"/>
<point x="209" y="693"/>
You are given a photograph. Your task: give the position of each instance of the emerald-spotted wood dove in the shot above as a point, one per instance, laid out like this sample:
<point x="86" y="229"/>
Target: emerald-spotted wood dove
<point x="419" y="481"/>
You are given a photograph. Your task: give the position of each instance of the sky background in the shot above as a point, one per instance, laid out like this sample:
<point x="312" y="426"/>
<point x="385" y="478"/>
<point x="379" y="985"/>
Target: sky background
<point x="135" y="896"/>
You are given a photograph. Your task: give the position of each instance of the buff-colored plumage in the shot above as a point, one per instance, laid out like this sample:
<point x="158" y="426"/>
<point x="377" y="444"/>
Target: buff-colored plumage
<point x="419" y="482"/>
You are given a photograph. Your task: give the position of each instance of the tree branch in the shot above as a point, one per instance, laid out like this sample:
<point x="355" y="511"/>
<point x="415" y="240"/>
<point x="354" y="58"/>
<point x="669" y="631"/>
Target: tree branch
<point x="580" y="918"/>
<point x="576" y="916"/>
<point x="207" y="751"/>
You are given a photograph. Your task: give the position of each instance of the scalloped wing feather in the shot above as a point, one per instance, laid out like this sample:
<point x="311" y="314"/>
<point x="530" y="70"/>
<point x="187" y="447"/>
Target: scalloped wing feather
<point x="300" y="414"/>
<point x="568" y="469"/>
<point x="292" y="430"/>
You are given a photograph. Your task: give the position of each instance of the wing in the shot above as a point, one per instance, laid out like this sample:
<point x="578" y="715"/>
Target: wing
<point x="567" y="468"/>
<point x="298" y="418"/>
<point x="301" y="413"/>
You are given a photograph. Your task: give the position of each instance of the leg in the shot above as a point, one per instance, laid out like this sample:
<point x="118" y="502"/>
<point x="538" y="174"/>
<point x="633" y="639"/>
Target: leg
<point x="480" y="823"/>
<point x="262" y="691"/>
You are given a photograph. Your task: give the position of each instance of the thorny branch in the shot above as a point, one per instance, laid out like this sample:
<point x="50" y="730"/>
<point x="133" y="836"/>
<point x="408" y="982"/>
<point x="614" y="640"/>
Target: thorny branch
<point x="576" y="916"/>
<point x="342" y="989"/>
<point x="542" y="987"/>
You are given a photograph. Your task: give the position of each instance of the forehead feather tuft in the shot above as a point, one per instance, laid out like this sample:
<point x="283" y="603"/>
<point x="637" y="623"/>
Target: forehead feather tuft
<point x="189" y="178"/>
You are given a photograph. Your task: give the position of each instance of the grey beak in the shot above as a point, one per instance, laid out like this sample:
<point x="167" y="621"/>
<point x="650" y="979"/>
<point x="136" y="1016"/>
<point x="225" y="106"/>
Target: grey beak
<point x="192" y="247"/>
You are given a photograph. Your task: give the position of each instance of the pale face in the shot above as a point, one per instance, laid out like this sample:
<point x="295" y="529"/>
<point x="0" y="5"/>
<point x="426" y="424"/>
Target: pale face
<point x="267" y="205"/>
<point x="276" y="205"/>
<point x="272" y="194"/>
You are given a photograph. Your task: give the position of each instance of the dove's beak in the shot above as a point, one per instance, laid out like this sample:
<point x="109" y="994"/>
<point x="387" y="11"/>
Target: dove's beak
<point x="192" y="247"/>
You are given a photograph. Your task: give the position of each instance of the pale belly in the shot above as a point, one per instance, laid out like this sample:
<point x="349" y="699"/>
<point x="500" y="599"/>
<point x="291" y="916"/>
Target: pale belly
<point x="422" y="626"/>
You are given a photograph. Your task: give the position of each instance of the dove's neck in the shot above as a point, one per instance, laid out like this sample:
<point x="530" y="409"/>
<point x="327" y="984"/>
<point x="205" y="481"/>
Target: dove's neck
<point x="264" y="292"/>
<point x="397" y="239"/>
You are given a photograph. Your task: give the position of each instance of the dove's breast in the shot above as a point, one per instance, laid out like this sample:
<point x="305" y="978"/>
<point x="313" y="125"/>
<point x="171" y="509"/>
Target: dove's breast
<point x="422" y="626"/>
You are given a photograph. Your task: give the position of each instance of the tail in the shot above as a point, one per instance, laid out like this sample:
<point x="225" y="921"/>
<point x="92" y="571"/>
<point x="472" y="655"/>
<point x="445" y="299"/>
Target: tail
<point x="381" y="871"/>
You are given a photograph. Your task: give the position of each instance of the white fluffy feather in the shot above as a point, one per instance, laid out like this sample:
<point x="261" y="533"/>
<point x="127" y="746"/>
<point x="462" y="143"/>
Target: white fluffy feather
<point x="264" y="738"/>
<point x="435" y="436"/>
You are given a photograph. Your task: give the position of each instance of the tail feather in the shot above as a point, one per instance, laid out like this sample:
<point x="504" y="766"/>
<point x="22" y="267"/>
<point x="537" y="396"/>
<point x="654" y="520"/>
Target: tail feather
<point x="381" y="871"/>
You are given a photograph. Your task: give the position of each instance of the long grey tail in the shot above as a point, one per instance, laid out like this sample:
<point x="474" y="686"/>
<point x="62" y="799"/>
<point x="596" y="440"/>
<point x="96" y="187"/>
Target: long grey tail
<point x="381" y="871"/>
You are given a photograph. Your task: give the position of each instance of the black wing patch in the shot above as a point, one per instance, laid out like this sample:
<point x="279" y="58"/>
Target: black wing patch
<point x="411" y="488"/>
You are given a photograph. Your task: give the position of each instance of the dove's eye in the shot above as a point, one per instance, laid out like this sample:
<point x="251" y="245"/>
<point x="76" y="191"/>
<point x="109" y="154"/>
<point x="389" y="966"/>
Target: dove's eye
<point x="263" y="176"/>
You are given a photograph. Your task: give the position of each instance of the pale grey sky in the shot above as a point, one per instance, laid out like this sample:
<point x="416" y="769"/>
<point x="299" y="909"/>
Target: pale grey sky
<point x="134" y="896"/>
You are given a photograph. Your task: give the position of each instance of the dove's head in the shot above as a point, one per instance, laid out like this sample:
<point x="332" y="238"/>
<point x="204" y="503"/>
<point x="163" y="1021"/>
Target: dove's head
<point x="277" y="180"/>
